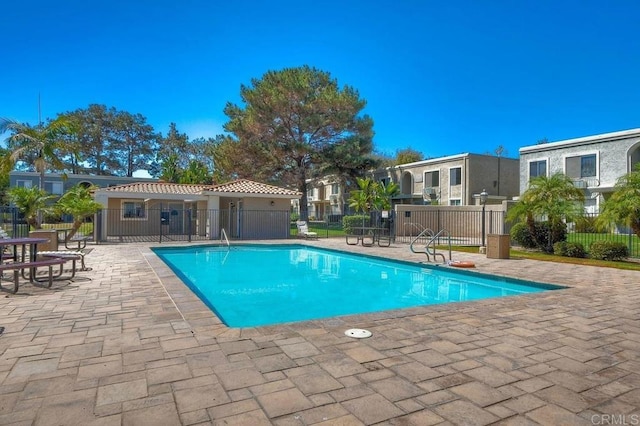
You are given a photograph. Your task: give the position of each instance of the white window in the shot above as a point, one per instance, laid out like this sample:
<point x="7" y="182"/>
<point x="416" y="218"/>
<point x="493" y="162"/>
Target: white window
<point x="432" y="179"/>
<point x="455" y="176"/>
<point x="334" y="188"/>
<point x="537" y="168"/>
<point x="24" y="183"/>
<point x="455" y="202"/>
<point x="54" y="188"/>
<point x="583" y="166"/>
<point x="133" y="210"/>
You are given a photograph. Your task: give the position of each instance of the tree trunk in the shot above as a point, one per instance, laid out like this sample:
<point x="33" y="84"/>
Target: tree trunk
<point x="77" y="223"/>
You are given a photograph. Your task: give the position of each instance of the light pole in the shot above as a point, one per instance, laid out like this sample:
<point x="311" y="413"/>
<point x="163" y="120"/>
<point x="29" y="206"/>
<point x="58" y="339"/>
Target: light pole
<point x="483" y="201"/>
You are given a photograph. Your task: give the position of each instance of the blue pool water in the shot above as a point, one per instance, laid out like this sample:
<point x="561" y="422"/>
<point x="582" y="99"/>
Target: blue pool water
<point x="254" y="285"/>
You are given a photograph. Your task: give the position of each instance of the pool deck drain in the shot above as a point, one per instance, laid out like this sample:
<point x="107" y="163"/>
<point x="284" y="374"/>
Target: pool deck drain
<point x="115" y="350"/>
<point x="358" y="333"/>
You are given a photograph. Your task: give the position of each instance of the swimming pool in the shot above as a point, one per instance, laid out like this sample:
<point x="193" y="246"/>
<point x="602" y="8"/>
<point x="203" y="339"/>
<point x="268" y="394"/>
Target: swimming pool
<point x="257" y="285"/>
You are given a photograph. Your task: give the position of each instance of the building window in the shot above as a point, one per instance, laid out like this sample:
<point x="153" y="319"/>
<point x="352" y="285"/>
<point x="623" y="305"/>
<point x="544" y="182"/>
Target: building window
<point x="537" y="168"/>
<point x="583" y="166"/>
<point x="432" y="179"/>
<point x="334" y="188"/>
<point x="54" y="188"/>
<point x="24" y="183"/>
<point x="133" y="210"/>
<point x="455" y="176"/>
<point x="385" y="181"/>
<point x="455" y="202"/>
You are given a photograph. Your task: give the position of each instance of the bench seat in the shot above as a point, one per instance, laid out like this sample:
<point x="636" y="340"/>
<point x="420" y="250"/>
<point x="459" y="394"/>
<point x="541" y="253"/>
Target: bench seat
<point x="72" y="255"/>
<point x="18" y="267"/>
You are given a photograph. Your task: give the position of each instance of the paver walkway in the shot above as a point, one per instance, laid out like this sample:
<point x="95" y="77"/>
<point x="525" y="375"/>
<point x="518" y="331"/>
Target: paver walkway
<point x="128" y="344"/>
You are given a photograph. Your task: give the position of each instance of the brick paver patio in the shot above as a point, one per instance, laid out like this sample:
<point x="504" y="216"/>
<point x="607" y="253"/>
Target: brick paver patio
<point x="128" y="344"/>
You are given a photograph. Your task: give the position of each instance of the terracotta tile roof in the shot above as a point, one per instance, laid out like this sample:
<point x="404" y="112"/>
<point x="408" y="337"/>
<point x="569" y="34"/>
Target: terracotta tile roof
<point x="241" y="186"/>
<point x="158" y="188"/>
<point x="245" y="186"/>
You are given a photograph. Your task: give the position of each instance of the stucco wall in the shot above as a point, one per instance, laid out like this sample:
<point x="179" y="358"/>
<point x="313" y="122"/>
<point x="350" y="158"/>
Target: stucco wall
<point x="612" y="157"/>
<point x="499" y="176"/>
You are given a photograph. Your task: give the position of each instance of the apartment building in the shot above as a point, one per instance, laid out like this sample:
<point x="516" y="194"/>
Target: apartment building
<point x="453" y="180"/>
<point x="594" y="163"/>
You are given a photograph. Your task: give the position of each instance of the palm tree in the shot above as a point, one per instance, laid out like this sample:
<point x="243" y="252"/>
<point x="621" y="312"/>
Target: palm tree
<point x="363" y="198"/>
<point x="78" y="203"/>
<point x="384" y="193"/>
<point x="624" y="204"/>
<point x="39" y="144"/>
<point x="30" y="201"/>
<point x="555" y="198"/>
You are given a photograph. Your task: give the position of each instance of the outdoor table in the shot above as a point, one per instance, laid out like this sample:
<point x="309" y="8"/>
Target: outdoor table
<point x="22" y="243"/>
<point x="81" y="240"/>
<point x="368" y="235"/>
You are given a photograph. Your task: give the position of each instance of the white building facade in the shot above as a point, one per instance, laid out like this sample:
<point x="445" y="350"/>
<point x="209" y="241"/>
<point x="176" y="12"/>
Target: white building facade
<point x="594" y="163"/>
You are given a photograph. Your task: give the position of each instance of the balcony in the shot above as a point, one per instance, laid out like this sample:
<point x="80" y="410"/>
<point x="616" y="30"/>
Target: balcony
<point x="585" y="183"/>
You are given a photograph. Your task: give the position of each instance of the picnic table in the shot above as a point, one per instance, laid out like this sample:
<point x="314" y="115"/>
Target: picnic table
<point x="369" y="235"/>
<point x="79" y="239"/>
<point x="24" y="258"/>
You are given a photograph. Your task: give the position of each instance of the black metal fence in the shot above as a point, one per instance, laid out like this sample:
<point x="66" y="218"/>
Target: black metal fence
<point x="586" y="230"/>
<point x="172" y="224"/>
<point x="13" y="222"/>
<point x="162" y="225"/>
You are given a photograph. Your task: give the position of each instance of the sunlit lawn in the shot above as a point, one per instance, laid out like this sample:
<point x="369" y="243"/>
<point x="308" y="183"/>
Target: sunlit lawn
<point x="536" y="255"/>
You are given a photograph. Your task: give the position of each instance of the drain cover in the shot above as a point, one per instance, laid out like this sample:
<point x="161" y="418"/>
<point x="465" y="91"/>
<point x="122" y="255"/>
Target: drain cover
<point x="358" y="333"/>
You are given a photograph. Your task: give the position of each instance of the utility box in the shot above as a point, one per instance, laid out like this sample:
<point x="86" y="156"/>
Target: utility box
<point x="50" y="234"/>
<point x="498" y="246"/>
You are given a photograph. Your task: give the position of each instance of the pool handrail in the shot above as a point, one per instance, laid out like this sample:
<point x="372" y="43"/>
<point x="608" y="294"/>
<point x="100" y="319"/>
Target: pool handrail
<point x="432" y="242"/>
<point x="223" y="237"/>
<point x="433" y="237"/>
<point x="425" y="232"/>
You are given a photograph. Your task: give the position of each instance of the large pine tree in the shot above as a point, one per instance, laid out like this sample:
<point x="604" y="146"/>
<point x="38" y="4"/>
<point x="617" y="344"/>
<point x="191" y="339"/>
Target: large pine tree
<point x="289" y="123"/>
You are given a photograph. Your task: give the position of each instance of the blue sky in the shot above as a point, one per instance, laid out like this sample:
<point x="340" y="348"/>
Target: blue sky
<point x="441" y="77"/>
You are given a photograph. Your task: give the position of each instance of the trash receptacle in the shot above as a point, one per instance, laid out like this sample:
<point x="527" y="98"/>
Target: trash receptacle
<point x="498" y="246"/>
<point x="50" y="234"/>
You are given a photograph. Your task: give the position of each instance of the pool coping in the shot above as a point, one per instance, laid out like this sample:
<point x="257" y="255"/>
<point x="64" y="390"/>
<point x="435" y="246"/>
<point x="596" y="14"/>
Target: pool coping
<point x="193" y="308"/>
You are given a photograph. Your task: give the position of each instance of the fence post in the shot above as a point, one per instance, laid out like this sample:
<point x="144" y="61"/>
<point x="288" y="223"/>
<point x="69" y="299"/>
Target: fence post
<point x="97" y="226"/>
<point x="189" y="223"/>
<point x="161" y="223"/>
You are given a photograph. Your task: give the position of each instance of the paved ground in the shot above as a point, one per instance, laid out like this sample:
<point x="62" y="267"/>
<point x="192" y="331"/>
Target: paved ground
<point x="128" y="344"/>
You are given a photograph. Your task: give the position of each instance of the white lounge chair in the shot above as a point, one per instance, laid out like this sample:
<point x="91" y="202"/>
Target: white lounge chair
<point x="303" y="230"/>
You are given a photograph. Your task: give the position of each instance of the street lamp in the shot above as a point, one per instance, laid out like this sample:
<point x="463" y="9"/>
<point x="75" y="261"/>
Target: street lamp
<point x="483" y="200"/>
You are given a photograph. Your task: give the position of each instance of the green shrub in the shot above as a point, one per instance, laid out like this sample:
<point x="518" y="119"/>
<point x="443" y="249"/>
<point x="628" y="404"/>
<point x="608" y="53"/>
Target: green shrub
<point x="540" y="239"/>
<point x="563" y="248"/>
<point x="349" y="222"/>
<point x="521" y="235"/>
<point x="295" y="217"/>
<point x="608" y="250"/>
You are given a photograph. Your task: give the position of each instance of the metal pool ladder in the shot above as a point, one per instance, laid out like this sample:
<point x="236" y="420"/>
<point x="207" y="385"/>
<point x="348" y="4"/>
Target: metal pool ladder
<point x="430" y="248"/>
<point x="223" y="237"/>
